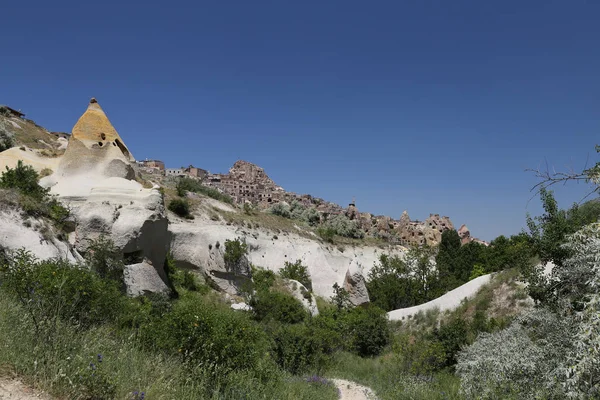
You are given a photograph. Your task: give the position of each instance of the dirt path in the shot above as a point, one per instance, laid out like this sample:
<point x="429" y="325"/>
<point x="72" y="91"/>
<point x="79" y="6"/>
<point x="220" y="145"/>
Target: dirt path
<point x="353" y="391"/>
<point x="13" y="389"/>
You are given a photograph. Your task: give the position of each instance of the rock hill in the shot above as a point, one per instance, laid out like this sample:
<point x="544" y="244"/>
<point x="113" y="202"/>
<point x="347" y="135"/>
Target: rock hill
<point x="92" y="171"/>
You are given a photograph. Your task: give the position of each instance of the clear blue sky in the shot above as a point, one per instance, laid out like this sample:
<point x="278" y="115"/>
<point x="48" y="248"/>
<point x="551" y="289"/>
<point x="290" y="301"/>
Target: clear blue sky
<point x="428" y="106"/>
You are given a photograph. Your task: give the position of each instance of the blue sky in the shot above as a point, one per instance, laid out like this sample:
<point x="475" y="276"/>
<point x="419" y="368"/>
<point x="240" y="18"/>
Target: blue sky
<point x="428" y="106"/>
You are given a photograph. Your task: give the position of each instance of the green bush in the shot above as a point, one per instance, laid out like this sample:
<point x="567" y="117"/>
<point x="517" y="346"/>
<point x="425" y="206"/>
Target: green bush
<point x="6" y="141"/>
<point x="343" y="226"/>
<point x="297" y="349"/>
<point x="105" y="259"/>
<point x="280" y="209"/>
<point x="209" y="336"/>
<point x="326" y="233"/>
<point x="235" y="250"/>
<point x="24" y="179"/>
<point x="186" y="184"/>
<point x="181" y="207"/>
<point x="298" y="272"/>
<point x="277" y="306"/>
<point x="54" y="289"/>
<point x="452" y="336"/>
<point x="34" y="200"/>
<point x="366" y="330"/>
<point x="263" y="279"/>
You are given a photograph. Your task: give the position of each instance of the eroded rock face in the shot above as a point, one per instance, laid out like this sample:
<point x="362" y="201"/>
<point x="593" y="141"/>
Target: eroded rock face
<point x="133" y="217"/>
<point x="17" y="233"/>
<point x="228" y="277"/>
<point x="303" y="295"/>
<point x="95" y="148"/>
<point x="355" y="284"/>
<point x="142" y="278"/>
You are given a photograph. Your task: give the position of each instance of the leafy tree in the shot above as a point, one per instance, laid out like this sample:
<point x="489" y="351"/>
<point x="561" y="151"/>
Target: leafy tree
<point x="104" y="258"/>
<point x="281" y="307"/>
<point x="181" y="207"/>
<point x="341" y="297"/>
<point x="235" y="250"/>
<point x="24" y="179"/>
<point x="367" y="330"/>
<point x="298" y="272"/>
<point x="549" y="230"/>
<point x="397" y="283"/>
<point x="447" y="261"/>
<point x="280" y="209"/>
<point x="6" y="141"/>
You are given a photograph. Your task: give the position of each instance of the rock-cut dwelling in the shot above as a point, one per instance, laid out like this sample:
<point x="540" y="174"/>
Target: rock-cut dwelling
<point x="95" y="147"/>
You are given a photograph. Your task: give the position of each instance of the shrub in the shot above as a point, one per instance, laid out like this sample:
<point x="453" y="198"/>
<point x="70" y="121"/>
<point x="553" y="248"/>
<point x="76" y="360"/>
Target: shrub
<point x="24" y="179"/>
<point x="326" y="233"/>
<point x="367" y="330"/>
<point x="343" y="226"/>
<point x="263" y="279"/>
<point x="297" y="349"/>
<point x="277" y="306"/>
<point x="234" y="251"/>
<point x="55" y="289"/>
<point x="298" y="272"/>
<point x="34" y="200"/>
<point x="280" y="209"/>
<point x="186" y="184"/>
<point x="208" y="336"/>
<point x="104" y="258"/>
<point x="6" y="141"/>
<point x="521" y="361"/>
<point x="180" y="207"/>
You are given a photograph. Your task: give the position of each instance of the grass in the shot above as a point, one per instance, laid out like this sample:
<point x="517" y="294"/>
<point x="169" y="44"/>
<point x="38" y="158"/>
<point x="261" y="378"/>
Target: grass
<point x="32" y="135"/>
<point x="64" y="367"/>
<point x="383" y="375"/>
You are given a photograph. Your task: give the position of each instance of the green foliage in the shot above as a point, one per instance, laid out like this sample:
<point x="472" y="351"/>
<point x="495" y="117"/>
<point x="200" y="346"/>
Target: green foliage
<point x="343" y="226"/>
<point x="298" y="349"/>
<point x="367" y="330"/>
<point x="549" y="230"/>
<point x="208" y="335"/>
<point x="298" y="272"/>
<point x="340" y="298"/>
<point x="326" y="233"/>
<point x="25" y="180"/>
<point x="181" y="207"/>
<point x="421" y="356"/>
<point x="397" y="283"/>
<point x="234" y="251"/>
<point x="6" y="141"/>
<point x="519" y="362"/>
<point x="186" y="184"/>
<point x="280" y="209"/>
<point x="53" y="289"/>
<point x="104" y="258"/>
<point x="182" y="278"/>
<point x="277" y="306"/>
<point x="263" y="279"/>
<point x="477" y="271"/>
<point x="296" y="211"/>
<point x="34" y="199"/>
<point x="452" y="336"/>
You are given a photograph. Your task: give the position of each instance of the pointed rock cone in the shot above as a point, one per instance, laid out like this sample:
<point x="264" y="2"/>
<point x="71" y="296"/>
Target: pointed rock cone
<point x="94" y="126"/>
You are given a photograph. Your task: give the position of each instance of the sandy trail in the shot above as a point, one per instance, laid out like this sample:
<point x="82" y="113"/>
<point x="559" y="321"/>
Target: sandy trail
<point x="353" y="391"/>
<point x="14" y="389"/>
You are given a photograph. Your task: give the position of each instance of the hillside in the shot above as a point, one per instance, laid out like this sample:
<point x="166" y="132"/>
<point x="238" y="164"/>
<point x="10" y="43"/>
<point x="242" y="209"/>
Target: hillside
<point x="129" y="281"/>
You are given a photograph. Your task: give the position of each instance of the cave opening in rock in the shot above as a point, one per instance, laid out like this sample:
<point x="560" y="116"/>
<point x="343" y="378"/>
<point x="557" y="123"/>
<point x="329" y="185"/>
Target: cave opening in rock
<point x="122" y="147"/>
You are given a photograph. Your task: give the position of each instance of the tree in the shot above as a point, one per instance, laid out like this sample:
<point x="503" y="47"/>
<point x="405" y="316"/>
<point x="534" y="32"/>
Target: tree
<point x="24" y="179"/>
<point x="298" y="272"/>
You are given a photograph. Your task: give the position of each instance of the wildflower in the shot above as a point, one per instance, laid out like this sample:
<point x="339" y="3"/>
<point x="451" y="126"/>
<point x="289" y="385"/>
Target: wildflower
<point x="93" y="366"/>
<point x="99" y="357"/>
